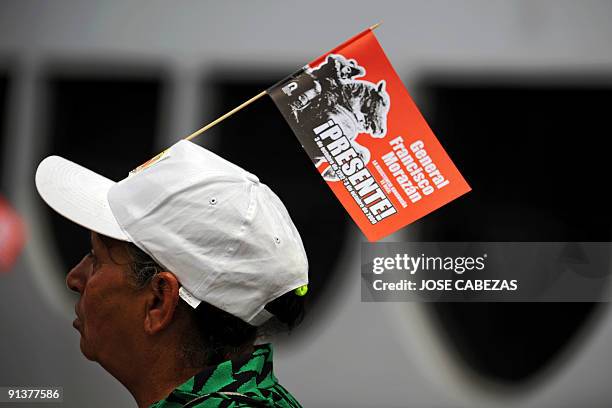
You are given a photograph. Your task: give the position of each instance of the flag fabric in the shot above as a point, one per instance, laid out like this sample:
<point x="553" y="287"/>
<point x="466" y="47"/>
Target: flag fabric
<point x="12" y="235"/>
<point x="366" y="137"/>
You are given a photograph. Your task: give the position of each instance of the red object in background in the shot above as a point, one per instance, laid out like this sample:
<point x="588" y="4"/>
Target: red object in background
<point x="12" y="235"/>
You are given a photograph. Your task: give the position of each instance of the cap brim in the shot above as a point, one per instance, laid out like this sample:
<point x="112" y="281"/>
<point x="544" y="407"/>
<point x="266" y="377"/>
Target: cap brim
<point x="78" y="194"/>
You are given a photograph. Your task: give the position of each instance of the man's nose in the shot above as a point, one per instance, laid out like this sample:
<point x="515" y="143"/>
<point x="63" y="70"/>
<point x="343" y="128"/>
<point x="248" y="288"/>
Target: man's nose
<point x="75" y="280"/>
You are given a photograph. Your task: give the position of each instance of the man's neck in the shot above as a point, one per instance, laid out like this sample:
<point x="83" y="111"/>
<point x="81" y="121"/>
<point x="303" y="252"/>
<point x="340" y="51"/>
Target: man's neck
<point x="153" y="375"/>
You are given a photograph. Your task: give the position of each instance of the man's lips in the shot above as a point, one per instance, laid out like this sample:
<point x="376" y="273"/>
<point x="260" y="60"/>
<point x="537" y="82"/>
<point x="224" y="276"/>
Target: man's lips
<point x="77" y="322"/>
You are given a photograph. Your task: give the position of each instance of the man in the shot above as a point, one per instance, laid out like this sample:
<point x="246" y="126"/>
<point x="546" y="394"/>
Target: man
<point x="190" y="256"/>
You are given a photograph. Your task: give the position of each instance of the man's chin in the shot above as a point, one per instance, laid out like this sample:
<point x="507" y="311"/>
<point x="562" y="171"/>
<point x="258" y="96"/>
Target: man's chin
<point x="84" y="350"/>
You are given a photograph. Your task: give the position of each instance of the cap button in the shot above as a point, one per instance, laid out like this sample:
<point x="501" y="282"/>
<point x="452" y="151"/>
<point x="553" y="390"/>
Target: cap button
<point x="252" y="177"/>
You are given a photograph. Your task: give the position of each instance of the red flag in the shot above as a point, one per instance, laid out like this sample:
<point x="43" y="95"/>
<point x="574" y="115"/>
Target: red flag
<point x="367" y="138"/>
<point x="12" y="235"/>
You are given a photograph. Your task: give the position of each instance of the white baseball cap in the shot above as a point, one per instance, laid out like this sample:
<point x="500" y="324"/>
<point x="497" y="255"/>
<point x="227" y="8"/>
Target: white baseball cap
<point x="225" y="235"/>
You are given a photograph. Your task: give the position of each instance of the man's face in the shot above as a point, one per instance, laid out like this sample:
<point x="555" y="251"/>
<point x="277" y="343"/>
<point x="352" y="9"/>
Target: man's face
<point x="108" y="314"/>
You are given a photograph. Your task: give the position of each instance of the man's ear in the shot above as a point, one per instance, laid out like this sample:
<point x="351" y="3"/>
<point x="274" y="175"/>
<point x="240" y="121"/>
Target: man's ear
<point x="161" y="302"/>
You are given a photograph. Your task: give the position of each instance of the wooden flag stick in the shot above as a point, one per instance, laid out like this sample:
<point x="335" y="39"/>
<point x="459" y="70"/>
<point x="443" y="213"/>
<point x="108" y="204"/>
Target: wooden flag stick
<point x="227" y="115"/>
<point x="239" y="107"/>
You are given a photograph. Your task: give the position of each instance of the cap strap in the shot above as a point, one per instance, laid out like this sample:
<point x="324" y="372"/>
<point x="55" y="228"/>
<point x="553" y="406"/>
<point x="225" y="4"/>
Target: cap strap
<point x="260" y="318"/>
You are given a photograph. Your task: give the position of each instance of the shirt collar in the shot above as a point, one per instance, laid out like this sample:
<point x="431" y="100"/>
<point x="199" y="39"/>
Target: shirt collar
<point x="245" y="373"/>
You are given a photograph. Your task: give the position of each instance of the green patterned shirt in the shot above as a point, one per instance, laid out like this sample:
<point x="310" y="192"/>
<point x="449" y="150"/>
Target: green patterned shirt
<point x="249" y="375"/>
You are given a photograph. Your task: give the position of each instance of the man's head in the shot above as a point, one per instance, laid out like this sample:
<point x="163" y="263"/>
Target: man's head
<point x="190" y="243"/>
<point x="129" y="305"/>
